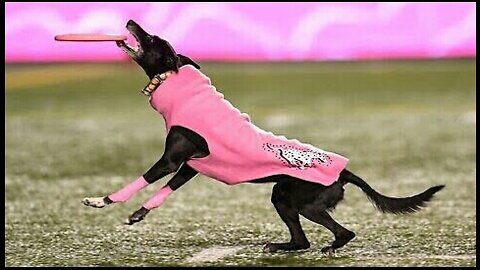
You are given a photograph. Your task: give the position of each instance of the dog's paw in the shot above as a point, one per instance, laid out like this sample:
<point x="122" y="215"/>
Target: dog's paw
<point x="128" y="221"/>
<point x="138" y="216"/>
<point x="96" y="202"/>
<point x="329" y="251"/>
<point x="269" y="247"/>
<point x="132" y="220"/>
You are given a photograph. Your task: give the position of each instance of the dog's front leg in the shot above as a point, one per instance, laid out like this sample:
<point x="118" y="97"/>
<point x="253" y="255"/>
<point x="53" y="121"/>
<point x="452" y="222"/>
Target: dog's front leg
<point x="181" y="177"/>
<point x="166" y="165"/>
<point x="121" y="195"/>
<point x="178" y="149"/>
<point x="160" y="169"/>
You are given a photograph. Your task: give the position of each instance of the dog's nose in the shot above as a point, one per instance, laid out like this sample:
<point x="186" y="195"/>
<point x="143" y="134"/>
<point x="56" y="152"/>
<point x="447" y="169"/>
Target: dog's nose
<point x="131" y="23"/>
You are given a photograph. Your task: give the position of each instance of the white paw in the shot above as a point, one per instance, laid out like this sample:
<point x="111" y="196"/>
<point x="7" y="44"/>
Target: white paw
<point x="96" y="202"/>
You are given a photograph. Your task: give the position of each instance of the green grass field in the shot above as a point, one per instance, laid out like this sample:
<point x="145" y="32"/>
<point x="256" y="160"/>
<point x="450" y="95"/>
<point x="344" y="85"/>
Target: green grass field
<point x="77" y="130"/>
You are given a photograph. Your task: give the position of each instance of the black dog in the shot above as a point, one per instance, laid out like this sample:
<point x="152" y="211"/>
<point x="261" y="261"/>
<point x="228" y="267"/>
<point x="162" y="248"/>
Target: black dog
<point x="291" y="196"/>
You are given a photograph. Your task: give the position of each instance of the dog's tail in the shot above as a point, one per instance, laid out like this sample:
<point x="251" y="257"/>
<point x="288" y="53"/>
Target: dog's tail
<point x="388" y="204"/>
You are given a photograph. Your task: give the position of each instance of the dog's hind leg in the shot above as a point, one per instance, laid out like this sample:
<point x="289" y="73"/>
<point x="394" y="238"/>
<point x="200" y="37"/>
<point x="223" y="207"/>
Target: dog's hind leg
<point x="318" y="214"/>
<point x="289" y="215"/>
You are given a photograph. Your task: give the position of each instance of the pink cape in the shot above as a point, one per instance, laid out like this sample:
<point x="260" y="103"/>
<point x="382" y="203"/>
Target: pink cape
<point x="239" y="150"/>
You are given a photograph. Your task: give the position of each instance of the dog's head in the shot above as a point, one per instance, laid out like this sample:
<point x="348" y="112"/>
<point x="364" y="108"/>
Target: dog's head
<point x="153" y="54"/>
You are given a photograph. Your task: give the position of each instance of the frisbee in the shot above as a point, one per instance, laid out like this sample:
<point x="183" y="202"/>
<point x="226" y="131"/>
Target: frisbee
<point x="90" y="37"/>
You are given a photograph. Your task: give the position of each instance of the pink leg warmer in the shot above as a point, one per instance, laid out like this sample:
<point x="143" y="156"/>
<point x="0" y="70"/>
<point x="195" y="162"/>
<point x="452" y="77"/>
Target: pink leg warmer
<point x="158" y="198"/>
<point x="125" y="193"/>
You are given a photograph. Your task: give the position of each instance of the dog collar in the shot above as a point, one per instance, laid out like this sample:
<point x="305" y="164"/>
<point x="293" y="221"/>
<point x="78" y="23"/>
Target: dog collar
<point x="155" y="82"/>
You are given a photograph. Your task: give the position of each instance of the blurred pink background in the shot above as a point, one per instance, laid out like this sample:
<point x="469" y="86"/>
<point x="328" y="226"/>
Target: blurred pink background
<point x="247" y="31"/>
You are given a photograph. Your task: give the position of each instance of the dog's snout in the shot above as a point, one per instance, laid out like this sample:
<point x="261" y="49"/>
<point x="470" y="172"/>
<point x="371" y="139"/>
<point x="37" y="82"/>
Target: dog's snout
<point x="131" y="23"/>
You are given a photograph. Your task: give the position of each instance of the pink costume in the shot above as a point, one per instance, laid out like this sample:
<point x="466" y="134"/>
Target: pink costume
<point x="239" y="150"/>
<point x="125" y="193"/>
<point x="159" y="198"/>
<point x="128" y="191"/>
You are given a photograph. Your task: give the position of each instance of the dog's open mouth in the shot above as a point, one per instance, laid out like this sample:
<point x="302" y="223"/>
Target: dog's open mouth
<point x="134" y="52"/>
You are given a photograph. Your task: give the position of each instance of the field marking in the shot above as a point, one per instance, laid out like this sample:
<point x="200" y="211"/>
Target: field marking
<point x="281" y="120"/>
<point x="213" y="254"/>
<point x="451" y="257"/>
<point x="470" y="117"/>
<point x="435" y="257"/>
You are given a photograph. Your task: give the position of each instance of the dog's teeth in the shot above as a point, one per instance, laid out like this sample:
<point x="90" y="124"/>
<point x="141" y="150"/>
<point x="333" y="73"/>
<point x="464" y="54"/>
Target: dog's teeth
<point x="135" y="49"/>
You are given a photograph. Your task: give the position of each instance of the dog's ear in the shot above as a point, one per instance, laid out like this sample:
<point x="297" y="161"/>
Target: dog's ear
<point x="183" y="60"/>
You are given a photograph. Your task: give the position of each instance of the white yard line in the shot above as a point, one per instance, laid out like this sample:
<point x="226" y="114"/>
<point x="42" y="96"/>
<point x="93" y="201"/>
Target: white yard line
<point x="216" y="253"/>
<point x="281" y="120"/>
<point x="436" y="257"/>
<point x="213" y="254"/>
<point x="452" y="257"/>
<point x="470" y="117"/>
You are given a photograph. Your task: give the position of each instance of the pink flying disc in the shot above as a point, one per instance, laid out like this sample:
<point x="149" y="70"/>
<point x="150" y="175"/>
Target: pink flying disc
<point x="90" y="37"/>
